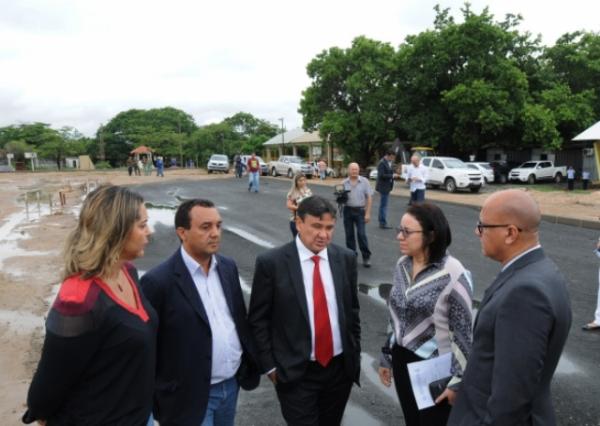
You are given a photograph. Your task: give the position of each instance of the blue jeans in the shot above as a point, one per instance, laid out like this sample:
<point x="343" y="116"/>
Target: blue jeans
<point x="383" y="203"/>
<point x="417" y="196"/>
<point x="355" y="216"/>
<point x="222" y="402"/>
<point x="253" y="181"/>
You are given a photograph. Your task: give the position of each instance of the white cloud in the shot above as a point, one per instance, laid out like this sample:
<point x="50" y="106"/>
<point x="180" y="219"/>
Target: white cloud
<point x="81" y="62"/>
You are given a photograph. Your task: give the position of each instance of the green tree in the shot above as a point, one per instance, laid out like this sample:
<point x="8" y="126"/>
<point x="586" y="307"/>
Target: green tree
<point x="352" y="98"/>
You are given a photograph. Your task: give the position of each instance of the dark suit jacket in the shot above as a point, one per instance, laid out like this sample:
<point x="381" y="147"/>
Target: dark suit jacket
<point x="184" y="345"/>
<point x="385" y="177"/>
<point x="518" y="337"/>
<point x="278" y="313"/>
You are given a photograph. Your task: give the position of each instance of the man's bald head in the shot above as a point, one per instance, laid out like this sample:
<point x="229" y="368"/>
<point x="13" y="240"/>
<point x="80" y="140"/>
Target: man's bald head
<point x="509" y="222"/>
<point x="516" y="207"/>
<point x="353" y="169"/>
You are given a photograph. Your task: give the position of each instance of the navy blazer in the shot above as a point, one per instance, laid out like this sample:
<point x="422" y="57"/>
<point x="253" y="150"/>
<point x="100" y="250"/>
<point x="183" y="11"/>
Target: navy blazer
<point x="184" y="344"/>
<point x="518" y="337"/>
<point x="385" y="177"/>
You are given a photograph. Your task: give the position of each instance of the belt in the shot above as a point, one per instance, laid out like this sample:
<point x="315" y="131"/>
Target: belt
<point x="355" y="208"/>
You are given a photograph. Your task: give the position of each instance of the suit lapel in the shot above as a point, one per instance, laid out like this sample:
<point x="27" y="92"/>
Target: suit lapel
<point x="188" y="288"/>
<point x="296" y="277"/>
<point x="503" y="276"/>
<point x="335" y="263"/>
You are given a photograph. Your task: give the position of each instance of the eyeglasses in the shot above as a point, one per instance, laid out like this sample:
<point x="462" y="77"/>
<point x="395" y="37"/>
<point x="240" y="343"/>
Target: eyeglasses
<point x="481" y="226"/>
<point x="406" y="232"/>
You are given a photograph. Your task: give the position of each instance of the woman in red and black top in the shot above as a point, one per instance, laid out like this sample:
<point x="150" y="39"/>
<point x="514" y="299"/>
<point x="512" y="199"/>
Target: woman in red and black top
<point x="97" y="364"/>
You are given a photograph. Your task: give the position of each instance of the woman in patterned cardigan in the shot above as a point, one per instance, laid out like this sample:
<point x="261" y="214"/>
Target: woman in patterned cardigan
<point x="430" y="309"/>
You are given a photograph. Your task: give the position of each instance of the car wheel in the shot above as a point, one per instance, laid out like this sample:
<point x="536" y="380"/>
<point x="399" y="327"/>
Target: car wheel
<point x="450" y="185"/>
<point x="290" y="173"/>
<point x="531" y="179"/>
<point x="558" y="178"/>
<point x="476" y="189"/>
<point x="227" y="171"/>
<point x="209" y="171"/>
<point x="273" y="172"/>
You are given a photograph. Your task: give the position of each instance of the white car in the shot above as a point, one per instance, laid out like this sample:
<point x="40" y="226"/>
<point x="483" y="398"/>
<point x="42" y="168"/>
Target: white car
<point x="373" y="174"/>
<point x="452" y="174"/>
<point x="486" y="170"/>
<point x="218" y="163"/>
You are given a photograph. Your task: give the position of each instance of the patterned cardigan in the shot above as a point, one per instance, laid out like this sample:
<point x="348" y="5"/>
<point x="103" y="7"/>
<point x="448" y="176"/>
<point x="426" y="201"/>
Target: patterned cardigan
<point x="432" y="315"/>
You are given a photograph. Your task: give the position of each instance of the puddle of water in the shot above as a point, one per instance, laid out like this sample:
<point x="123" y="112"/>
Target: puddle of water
<point x="10" y="249"/>
<point x="368" y="366"/>
<point x="8" y="229"/>
<point x="379" y="293"/>
<point x="356" y="416"/>
<point x="20" y="322"/>
<point x="250" y="237"/>
<point x="164" y="216"/>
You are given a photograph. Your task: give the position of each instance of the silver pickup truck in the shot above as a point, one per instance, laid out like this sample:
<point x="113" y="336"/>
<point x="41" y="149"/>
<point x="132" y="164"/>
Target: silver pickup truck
<point x="533" y="171"/>
<point x="289" y="165"/>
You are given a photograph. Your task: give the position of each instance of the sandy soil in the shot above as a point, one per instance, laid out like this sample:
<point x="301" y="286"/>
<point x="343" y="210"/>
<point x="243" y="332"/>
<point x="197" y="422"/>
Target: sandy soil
<point x="30" y="258"/>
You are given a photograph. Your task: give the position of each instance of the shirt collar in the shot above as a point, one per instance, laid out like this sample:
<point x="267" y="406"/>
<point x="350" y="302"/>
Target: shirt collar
<point x="306" y="254"/>
<point x="194" y="266"/>
<point x="520" y="255"/>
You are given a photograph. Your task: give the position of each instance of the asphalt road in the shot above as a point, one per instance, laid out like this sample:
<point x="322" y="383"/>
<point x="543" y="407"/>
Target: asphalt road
<point x="255" y="222"/>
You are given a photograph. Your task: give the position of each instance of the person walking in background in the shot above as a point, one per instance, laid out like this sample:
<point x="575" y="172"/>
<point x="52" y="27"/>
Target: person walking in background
<point x="585" y="178"/>
<point x="295" y="195"/>
<point x="130" y="165"/>
<point x="595" y="324"/>
<point x="322" y="166"/>
<point x="357" y="212"/>
<point x="138" y="167"/>
<point x="253" y="173"/>
<point x="416" y="176"/>
<point x="147" y="166"/>
<point x="98" y="360"/>
<point x="304" y="315"/>
<point x="160" y="167"/>
<point x="522" y="325"/>
<point x="384" y="185"/>
<point x="570" y="178"/>
<point x="430" y="309"/>
<point x="239" y="167"/>
<point x="205" y="349"/>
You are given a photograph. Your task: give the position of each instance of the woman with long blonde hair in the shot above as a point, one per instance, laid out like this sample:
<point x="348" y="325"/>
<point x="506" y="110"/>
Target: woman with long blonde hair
<point x="98" y="360"/>
<point x="298" y="192"/>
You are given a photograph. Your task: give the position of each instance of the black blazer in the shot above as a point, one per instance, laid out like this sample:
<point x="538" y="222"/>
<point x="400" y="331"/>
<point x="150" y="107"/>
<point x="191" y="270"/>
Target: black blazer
<point x="519" y="334"/>
<point x="184" y="345"/>
<point x="385" y="177"/>
<point x="278" y="312"/>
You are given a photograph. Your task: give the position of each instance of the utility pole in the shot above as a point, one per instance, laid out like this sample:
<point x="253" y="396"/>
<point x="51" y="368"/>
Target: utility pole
<point x="282" y="137"/>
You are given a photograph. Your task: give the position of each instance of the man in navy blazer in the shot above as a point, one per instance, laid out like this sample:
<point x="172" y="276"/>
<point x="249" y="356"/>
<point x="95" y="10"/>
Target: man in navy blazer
<point x="384" y="185"/>
<point x="204" y="347"/>
<point x="522" y="324"/>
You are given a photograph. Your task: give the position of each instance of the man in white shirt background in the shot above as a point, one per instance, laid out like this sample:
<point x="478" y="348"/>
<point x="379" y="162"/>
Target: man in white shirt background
<point x="416" y="177"/>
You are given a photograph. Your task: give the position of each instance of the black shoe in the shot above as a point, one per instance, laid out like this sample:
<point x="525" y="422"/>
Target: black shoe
<point x="367" y="263"/>
<point x="385" y="226"/>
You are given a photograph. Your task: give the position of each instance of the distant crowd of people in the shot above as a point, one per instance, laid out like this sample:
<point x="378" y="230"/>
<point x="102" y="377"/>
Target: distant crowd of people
<point x="176" y="345"/>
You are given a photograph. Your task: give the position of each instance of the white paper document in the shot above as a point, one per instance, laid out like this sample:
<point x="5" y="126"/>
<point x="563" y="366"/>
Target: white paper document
<point x="424" y="372"/>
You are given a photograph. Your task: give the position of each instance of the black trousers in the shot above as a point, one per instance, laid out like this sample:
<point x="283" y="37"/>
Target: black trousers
<point x="570" y="184"/>
<point x="433" y="416"/>
<point x="318" y="398"/>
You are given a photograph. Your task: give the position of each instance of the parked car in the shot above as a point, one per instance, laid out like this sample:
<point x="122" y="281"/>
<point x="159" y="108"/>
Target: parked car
<point x="486" y="170"/>
<point x="264" y="169"/>
<point x="289" y="165"/>
<point x="452" y="174"/>
<point x="373" y="174"/>
<point x="218" y="163"/>
<point x="501" y="169"/>
<point x="533" y="171"/>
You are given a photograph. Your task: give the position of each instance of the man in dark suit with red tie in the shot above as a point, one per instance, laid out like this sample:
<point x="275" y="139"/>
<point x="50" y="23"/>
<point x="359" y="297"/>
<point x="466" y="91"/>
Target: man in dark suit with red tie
<point x="304" y="318"/>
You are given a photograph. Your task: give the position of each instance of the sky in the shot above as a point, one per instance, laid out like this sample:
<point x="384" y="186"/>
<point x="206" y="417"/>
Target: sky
<point x="80" y="62"/>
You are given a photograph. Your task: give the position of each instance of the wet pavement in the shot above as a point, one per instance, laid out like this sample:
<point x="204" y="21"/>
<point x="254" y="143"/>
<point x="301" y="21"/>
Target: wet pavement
<point x="256" y="222"/>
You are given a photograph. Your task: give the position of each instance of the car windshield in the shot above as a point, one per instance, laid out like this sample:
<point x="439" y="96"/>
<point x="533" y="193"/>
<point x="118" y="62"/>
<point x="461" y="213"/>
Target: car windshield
<point x="455" y="164"/>
<point x="218" y="158"/>
<point x="528" y="165"/>
<point x="295" y="160"/>
<point x="472" y="166"/>
<point x="485" y="166"/>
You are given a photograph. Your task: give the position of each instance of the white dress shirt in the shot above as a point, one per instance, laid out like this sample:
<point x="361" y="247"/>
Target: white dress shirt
<point x="226" y="346"/>
<point x="308" y="267"/>
<point x="420" y="172"/>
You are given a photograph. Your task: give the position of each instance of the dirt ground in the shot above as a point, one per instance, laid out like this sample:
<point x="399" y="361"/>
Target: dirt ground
<point x="32" y="234"/>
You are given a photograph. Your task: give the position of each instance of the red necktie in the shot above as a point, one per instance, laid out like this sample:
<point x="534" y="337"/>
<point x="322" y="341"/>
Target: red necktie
<point x="323" y="336"/>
